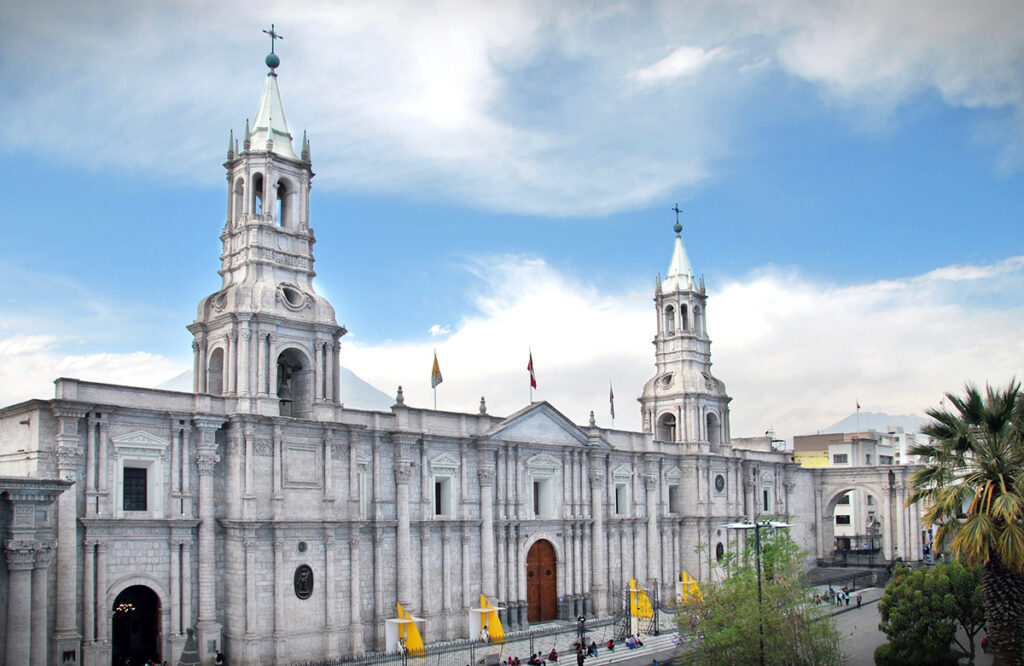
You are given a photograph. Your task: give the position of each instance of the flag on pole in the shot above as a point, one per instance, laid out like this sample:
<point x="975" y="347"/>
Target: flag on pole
<point x="529" y="366"/>
<point x="611" y="400"/>
<point x="858" y="405"/>
<point x="435" y="374"/>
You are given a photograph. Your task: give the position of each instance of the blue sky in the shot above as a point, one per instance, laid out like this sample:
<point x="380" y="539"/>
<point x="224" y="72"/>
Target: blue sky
<point x="493" y="176"/>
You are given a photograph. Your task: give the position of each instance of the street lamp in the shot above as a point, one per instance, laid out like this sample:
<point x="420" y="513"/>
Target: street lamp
<point x="757" y="527"/>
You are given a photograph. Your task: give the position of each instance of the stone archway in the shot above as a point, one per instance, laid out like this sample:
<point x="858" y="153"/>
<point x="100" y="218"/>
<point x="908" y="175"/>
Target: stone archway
<point x="541" y="582"/>
<point x="135" y="627"/>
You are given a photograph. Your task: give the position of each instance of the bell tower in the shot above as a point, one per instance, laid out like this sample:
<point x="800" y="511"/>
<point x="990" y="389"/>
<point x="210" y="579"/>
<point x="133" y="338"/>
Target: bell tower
<point x="266" y="337"/>
<point x="683" y="402"/>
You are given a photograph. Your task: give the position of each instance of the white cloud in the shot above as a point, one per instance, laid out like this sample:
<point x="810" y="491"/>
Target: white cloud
<point x="438" y="329"/>
<point x="509" y="106"/>
<point x="682" y="62"/>
<point x="30" y="363"/>
<point x="795" y="354"/>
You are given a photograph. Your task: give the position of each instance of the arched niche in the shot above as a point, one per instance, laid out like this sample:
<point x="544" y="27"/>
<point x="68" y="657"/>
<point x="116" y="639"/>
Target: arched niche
<point x="215" y="372"/>
<point x="667" y="427"/>
<point x="294" y="383"/>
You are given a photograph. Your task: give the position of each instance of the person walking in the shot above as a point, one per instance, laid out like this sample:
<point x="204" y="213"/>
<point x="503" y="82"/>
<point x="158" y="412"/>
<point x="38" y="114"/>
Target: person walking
<point x="579" y="656"/>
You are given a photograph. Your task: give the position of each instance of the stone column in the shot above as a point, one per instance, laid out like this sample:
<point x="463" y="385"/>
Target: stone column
<point x="244" y="372"/>
<point x="69" y="456"/>
<point x="20" y="561"/>
<point x="279" y="592"/>
<point x="202" y="367"/>
<point x="249" y="545"/>
<point x="331" y="602"/>
<point x="208" y="628"/>
<point x="653" y="535"/>
<point x="197" y="365"/>
<point x="89" y="592"/>
<point x="230" y="364"/>
<point x="446" y="575"/>
<point x="319" y="371"/>
<point x="335" y="372"/>
<point x="487" y="573"/>
<point x="261" y="363"/>
<point x="102" y="612"/>
<point x="40" y="578"/>
<point x="598" y="585"/>
<point x="174" y="545"/>
<point x="355" y="594"/>
<point x="403" y="539"/>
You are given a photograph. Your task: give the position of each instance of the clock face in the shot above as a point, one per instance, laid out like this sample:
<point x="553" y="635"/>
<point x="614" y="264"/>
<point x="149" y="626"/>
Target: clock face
<point x="719" y="483"/>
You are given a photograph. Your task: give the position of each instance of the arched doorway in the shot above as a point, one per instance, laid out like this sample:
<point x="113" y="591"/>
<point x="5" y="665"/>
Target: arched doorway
<point x="541" y="582"/>
<point x="136" y="625"/>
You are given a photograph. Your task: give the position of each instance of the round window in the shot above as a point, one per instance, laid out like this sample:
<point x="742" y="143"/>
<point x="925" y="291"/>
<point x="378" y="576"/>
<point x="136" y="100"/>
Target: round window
<point x="293" y="296"/>
<point x="302" y="546"/>
<point x="719" y="483"/>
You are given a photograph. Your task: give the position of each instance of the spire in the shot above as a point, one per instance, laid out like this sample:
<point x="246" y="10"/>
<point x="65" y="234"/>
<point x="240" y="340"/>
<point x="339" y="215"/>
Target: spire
<point x="246" y="143"/>
<point x="231" y="145"/>
<point x="680" y="275"/>
<point x="305" y="147"/>
<point x="270" y="127"/>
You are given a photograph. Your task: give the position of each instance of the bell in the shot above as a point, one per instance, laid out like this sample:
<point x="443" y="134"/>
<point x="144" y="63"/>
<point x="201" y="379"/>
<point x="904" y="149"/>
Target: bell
<point x="284" y="394"/>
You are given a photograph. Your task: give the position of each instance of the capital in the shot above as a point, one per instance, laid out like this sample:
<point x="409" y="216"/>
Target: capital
<point x="206" y="462"/>
<point x="596" y="478"/>
<point x="403" y="471"/>
<point x="44" y="554"/>
<point x="21" y="555"/>
<point x="355" y="540"/>
<point x="486" y="476"/>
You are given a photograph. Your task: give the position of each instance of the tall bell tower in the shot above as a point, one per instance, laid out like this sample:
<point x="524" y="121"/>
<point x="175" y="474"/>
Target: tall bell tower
<point x="266" y="338"/>
<point x="683" y="402"/>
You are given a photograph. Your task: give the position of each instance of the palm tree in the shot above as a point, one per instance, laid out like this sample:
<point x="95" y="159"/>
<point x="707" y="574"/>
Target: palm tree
<point x="973" y="486"/>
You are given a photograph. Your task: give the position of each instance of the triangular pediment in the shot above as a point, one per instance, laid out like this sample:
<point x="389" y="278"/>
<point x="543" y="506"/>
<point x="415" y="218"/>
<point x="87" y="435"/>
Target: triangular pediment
<point x="540" y="423"/>
<point x="444" y="461"/>
<point x="140" y="438"/>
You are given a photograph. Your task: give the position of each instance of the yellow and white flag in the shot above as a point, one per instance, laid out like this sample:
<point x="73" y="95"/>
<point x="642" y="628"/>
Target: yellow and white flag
<point x="435" y="374"/>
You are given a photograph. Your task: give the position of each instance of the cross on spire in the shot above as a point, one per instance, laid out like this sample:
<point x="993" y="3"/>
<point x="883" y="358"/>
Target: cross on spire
<point x="678" y="227"/>
<point x="274" y="36"/>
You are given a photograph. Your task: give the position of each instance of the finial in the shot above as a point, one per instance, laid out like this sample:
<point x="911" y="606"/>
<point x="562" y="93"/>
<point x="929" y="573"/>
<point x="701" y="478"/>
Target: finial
<point x="400" y="397"/>
<point x="593" y="421"/>
<point x="231" y="145"/>
<point x="677" y="227"/>
<point x="305" y="147"/>
<point x="245" y="142"/>
<point x="272" y="60"/>
<point x="702" y="283"/>
<point x="483" y="405"/>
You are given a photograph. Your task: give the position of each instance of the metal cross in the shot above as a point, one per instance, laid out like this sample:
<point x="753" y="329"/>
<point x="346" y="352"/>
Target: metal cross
<point x="675" y="208"/>
<point x="273" y="36"/>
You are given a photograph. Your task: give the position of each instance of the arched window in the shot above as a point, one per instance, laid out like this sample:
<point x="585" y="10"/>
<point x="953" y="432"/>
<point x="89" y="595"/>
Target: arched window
<point x="667" y="428"/>
<point x="238" y="200"/>
<point x="670" y="320"/>
<point x="257" y="194"/>
<point x="684" y="323"/>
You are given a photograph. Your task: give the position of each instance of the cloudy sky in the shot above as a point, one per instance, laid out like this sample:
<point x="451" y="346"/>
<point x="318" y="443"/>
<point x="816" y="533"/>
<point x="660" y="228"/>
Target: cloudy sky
<point x="493" y="177"/>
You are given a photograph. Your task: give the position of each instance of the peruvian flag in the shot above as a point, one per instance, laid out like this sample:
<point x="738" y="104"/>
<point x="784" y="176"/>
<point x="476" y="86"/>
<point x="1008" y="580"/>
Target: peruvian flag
<point x="529" y="367"/>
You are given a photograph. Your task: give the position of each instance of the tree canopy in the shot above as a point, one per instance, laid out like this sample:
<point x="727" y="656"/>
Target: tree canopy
<point x="726" y="622"/>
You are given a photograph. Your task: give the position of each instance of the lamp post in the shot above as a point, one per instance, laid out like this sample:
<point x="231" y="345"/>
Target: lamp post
<point x="757" y="527"/>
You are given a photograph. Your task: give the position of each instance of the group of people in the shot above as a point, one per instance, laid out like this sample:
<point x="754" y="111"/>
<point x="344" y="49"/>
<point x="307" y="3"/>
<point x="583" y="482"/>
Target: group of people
<point x="839" y="598"/>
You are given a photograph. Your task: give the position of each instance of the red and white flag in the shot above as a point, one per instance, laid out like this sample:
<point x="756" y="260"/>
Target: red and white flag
<point x="858" y="405"/>
<point x="529" y="367"/>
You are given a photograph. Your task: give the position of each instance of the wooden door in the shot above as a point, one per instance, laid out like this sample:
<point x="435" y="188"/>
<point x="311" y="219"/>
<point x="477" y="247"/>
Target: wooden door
<point x="541" y="583"/>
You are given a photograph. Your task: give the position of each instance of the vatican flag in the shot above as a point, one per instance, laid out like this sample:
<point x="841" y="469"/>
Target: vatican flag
<point x="689" y="588"/>
<point x="639" y="602"/>
<point x="435" y="374"/>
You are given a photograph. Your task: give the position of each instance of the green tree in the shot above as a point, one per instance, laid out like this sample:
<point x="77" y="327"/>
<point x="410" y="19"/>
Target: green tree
<point x="726" y="622"/>
<point x="973" y="487"/>
<point x="921" y="610"/>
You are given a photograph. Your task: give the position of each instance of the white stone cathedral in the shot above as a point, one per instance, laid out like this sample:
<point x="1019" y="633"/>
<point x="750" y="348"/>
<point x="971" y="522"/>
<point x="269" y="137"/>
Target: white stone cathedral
<point x="283" y="527"/>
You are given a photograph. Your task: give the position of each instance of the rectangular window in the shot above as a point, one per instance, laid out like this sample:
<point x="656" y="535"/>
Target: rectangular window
<point x="442" y="496"/>
<point x="845" y="499"/>
<point x="536" y="498"/>
<point x="134" y="488"/>
<point x="764" y="496"/>
<point x="673" y="499"/>
<point x="842" y="520"/>
<point x="365" y="493"/>
<point x="884" y="460"/>
<point x="620" y="499"/>
<point x="840" y="458"/>
<point x="869" y="500"/>
<point x="867" y="458"/>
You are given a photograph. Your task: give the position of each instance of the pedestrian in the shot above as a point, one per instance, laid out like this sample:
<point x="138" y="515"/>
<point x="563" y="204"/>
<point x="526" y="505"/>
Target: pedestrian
<point x="220" y="659"/>
<point x="553" y="655"/>
<point x="846" y="598"/>
<point x="581" y="625"/>
<point x="579" y="656"/>
<point x="858" y="600"/>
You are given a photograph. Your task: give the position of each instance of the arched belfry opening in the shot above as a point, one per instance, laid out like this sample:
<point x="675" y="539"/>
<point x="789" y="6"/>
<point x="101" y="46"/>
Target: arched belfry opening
<point x="684" y="323"/>
<point x="667" y="428"/>
<point x="670" y="320"/>
<point x="215" y="372"/>
<point x="713" y="429"/>
<point x="238" y="200"/>
<point x="257" y="194"/>
<point x="285" y="195"/>
<point x="294" y="384"/>
<point x="135" y="627"/>
<point x="541" y="582"/>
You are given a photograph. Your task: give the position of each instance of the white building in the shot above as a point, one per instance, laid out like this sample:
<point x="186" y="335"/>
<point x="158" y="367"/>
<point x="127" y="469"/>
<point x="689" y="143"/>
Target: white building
<point x="284" y="527"/>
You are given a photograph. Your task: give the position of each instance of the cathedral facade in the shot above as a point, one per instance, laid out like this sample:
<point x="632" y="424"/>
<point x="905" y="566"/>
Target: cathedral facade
<point x="283" y="527"/>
